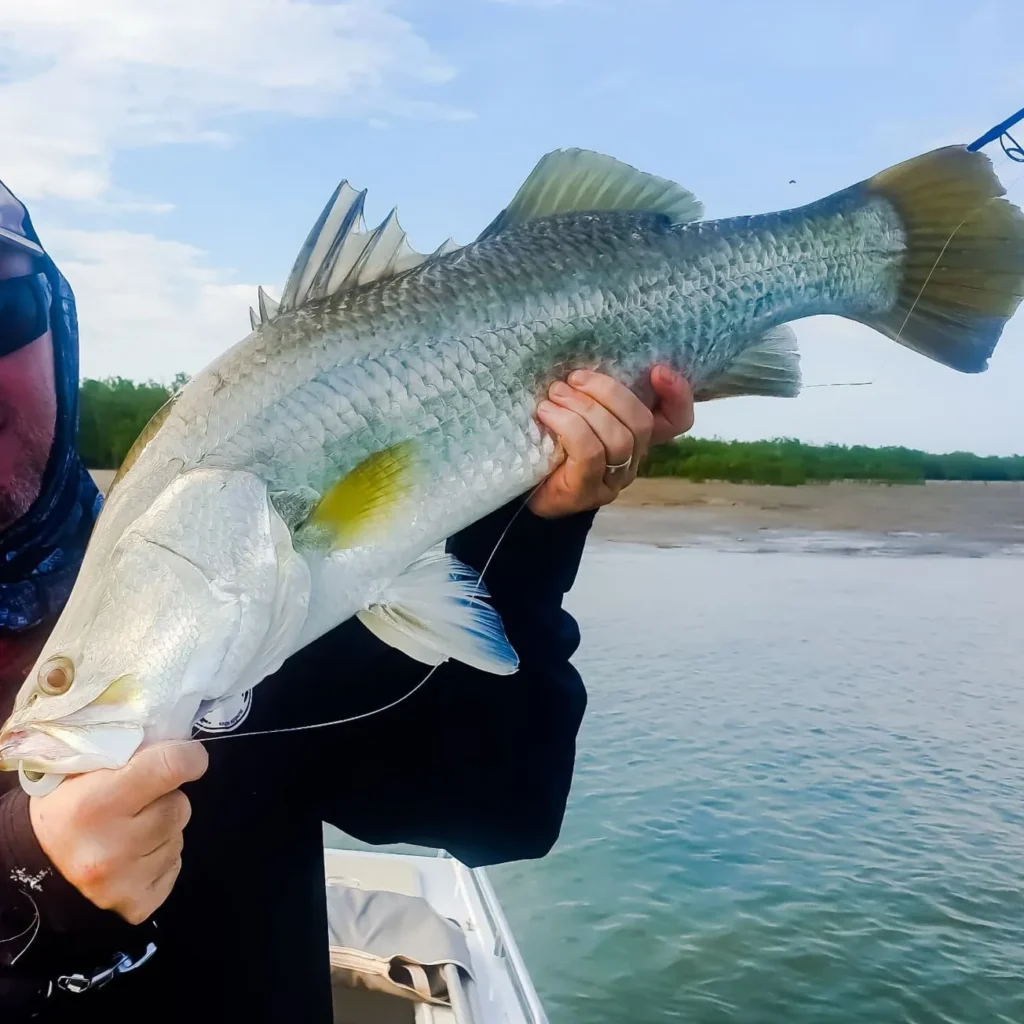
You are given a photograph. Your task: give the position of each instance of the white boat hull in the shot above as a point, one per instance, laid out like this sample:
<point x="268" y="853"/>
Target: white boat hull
<point x="494" y="987"/>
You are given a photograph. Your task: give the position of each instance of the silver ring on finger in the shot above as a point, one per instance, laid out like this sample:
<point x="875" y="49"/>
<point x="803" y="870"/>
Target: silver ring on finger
<point x="609" y="468"/>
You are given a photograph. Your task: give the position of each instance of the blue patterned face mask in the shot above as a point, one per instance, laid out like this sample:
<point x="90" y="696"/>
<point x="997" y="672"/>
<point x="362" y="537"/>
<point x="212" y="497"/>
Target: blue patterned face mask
<point x="40" y="554"/>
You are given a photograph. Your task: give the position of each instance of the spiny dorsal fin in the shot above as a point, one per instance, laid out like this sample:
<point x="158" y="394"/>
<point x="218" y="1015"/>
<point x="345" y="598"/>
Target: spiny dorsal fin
<point x="578" y="180"/>
<point x="268" y="309"/>
<point x="340" y="253"/>
<point x="447" y="246"/>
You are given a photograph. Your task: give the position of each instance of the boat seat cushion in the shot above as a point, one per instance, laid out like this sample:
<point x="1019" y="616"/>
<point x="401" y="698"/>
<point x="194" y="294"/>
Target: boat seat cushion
<point x="391" y="942"/>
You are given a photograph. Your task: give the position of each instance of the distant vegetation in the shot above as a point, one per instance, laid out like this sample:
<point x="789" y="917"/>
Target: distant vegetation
<point x="790" y="462"/>
<point x="114" y="411"/>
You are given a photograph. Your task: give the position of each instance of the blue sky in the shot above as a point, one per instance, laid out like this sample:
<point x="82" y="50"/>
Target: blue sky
<point x="175" y="155"/>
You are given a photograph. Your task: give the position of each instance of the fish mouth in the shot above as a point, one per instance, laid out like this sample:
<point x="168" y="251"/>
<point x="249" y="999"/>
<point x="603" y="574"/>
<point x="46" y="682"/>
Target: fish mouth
<point x="61" y="749"/>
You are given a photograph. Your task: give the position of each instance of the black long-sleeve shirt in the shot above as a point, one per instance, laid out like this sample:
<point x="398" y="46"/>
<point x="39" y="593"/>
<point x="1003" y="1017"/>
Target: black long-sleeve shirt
<point x="475" y="764"/>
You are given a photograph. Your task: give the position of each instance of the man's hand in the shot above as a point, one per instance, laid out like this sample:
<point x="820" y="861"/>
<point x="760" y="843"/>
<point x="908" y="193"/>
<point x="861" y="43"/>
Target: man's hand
<point x="605" y="431"/>
<point x="116" y="836"/>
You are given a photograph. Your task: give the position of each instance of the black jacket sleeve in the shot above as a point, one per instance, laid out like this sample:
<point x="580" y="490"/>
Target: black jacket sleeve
<point x="23" y="869"/>
<point x="47" y="928"/>
<point x="476" y="764"/>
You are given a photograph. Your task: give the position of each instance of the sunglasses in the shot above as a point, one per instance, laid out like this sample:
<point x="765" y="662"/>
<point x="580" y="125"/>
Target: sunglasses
<point x="24" y="311"/>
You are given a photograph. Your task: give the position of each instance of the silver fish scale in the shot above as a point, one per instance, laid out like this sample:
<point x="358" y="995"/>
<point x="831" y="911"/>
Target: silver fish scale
<point x="456" y="352"/>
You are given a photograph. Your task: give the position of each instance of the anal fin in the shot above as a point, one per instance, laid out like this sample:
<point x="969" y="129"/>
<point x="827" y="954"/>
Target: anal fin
<point x="770" y="368"/>
<point x="437" y="610"/>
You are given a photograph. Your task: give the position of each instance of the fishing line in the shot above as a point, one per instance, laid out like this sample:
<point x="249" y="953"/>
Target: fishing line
<point x="33" y="928"/>
<point x="906" y="319"/>
<point x="1009" y="157"/>
<point x="419" y="686"/>
<point x="314" y="725"/>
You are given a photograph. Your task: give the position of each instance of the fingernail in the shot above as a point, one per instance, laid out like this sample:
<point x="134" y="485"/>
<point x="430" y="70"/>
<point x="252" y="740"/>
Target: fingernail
<point x="560" y="390"/>
<point x="545" y="408"/>
<point x="665" y="374"/>
<point x="578" y="377"/>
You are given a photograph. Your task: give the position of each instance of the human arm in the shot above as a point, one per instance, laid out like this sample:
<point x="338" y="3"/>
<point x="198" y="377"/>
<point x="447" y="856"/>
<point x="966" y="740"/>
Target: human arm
<point x="481" y="765"/>
<point x="39" y="908"/>
<point x="82" y="865"/>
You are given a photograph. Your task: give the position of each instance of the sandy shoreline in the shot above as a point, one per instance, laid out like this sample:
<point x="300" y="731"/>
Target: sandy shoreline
<point x="940" y="517"/>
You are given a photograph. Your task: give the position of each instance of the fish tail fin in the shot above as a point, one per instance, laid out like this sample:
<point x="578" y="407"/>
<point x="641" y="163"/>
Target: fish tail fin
<point x="963" y="264"/>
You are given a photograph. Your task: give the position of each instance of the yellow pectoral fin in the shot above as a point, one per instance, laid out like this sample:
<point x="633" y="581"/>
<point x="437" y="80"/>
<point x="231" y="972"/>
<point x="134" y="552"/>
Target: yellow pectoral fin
<point x="366" y="498"/>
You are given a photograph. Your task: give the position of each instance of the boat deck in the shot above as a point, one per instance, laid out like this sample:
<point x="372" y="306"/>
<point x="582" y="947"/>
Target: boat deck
<point x="496" y="989"/>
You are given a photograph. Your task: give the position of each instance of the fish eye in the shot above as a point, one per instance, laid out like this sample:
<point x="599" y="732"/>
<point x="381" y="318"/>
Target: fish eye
<point x="56" y="676"/>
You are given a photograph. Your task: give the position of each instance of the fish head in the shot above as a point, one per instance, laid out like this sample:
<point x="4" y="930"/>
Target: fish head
<point x="170" y="615"/>
<point x="116" y="669"/>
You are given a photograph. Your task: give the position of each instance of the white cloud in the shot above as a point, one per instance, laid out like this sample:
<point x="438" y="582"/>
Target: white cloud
<point x="83" y="78"/>
<point x="148" y="307"/>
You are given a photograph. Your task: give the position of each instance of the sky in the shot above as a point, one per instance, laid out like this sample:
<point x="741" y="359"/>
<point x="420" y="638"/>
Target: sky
<point x="175" y="155"/>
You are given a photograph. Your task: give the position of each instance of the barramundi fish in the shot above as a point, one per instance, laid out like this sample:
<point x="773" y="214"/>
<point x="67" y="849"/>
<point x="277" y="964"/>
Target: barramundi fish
<point x="387" y="401"/>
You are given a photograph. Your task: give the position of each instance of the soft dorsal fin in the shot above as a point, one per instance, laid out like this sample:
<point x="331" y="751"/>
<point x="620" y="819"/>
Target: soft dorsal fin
<point x="340" y="253"/>
<point x="578" y="180"/>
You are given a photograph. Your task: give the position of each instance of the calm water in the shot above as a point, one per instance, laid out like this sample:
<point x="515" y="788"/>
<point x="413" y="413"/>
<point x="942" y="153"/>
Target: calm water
<point x="799" y="794"/>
